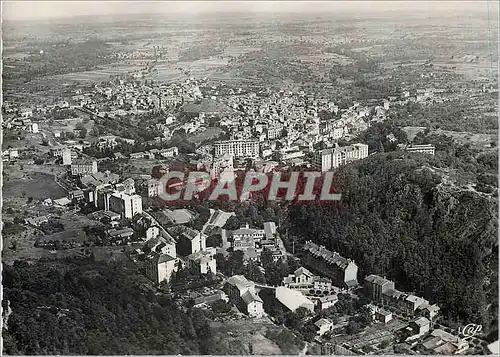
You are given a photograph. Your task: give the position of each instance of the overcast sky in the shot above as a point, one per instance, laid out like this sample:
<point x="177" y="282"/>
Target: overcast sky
<point x="27" y="10"/>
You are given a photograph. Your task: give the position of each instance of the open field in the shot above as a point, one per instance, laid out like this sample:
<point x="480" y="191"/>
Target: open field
<point x="210" y="133"/>
<point x="96" y="75"/>
<point x="36" y="184"/>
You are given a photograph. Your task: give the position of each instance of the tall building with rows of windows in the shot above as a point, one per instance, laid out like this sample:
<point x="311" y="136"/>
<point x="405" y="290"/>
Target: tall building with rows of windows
<point x="329" y="159"/>
<point x="237" y="148"/>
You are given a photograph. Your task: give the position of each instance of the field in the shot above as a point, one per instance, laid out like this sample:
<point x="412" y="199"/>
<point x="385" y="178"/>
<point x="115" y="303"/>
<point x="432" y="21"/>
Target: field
<point x="34" y="184"/>
<point x="210" y="133"/>
<point x="96" y="75"/>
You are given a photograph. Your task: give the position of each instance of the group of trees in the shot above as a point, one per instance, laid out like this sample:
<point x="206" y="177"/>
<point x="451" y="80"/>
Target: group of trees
<point x="457" y="115"/>
<point x="80" y="306"/>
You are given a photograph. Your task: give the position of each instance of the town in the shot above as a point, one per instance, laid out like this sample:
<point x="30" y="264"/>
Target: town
<point x="108" y="172"/>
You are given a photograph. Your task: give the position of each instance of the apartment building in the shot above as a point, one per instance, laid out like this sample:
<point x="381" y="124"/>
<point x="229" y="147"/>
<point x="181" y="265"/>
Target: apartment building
<point x="382" y="290"/>
<point x="238" y="148"/>
<point x="342" y="271"/>
<point x="328" y="159"/>
<point x="82" y="167"/>
<point x="124" y="204"/>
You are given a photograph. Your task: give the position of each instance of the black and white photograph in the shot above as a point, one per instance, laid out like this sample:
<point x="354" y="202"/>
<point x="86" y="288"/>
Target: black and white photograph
<point x="250" y="178"/>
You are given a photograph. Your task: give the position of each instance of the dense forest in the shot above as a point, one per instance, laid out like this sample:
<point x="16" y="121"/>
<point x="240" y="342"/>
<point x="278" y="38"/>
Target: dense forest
<point x="400" y="218"/>
<point x="83" y="307"/>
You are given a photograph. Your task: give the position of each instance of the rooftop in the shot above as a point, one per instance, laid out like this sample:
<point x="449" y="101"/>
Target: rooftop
<point x="332" y="258"/>
<point x="293" y="299"/>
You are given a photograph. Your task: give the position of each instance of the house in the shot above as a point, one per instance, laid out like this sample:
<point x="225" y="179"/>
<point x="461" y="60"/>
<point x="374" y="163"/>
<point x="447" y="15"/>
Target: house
<point x="64" y="201"/>
<point x="293" y="299"/>
<point x="375" y="286"/>
<point x="33" y="127"/>
<point x="242" y="293"/>
<point x="152" y="232"/>
<point x="323" y="326"/>
<point x="300" y="279"/>
<point x="169" y="152"/>
<point x="13" y="153"/>
<point x="210" y="299"/>
<point x="342" y="271"/>
<point x="160" y="267"/>
<point x="121" y="233"/>
<point x="443" y="343"/>
<point x="190" y="241"/>
<point x="328" y="301"/>
<point x="245" y="238"/>
<point x="424" y="149"/>
<point x="420" y="325"/>
<point x="383" y="315"/>
<point x="36" y="221"/>
<point x="269" y="230"/>
<point x="204" y="261"/>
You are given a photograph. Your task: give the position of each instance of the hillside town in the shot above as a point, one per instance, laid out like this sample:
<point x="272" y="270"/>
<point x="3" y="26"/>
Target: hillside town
<point x="100" y="259"/>
<point x="281" y="129"/>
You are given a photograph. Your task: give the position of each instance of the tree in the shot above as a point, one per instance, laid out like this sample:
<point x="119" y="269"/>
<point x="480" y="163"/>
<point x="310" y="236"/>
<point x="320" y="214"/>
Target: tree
<point x="83" y="132"/>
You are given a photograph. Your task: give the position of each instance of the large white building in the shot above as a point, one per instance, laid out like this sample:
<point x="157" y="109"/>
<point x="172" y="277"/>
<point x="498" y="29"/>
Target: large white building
<point x="237" y="148"/>
<point x="293" y="299"/>
<point x="124" y="204"/>
<point x="329" y="159"/>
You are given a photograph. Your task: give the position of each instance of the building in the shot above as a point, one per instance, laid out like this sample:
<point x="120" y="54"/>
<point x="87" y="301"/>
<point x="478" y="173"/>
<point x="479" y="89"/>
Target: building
<point x="223" y="168"/>
<point x="300" y="279"/>
<point x="124" y="204"/>
<point x="241" y="292"/>
<point x="424" y="149"/>
<point x="270" y="230"/>
<point x="237" y="148"/>
<point x="160" y="267"/>
<point x="420" y="326"/>
<point x="33" y="127"/>
<point x="342" y="271"/>
<point x="383" y="315"/>
<point x="323" y="326"/>
<point x="36" y="221"/>
<point x="325" y="302"/>
<point x="204" y="262"/>
<point x="383" y="290"/>
<point x="375" y="286"/>
<point x="293" y="299"/>
<point x="328" y="159"/>
<point x="245" y="238"/>
<point x="190" y="241"/>
<point x="169" y="152"/>
<point x="153" y="187"/>
<point x="66" y="157"/>
<point x="443" y="343"/>
<point x="82" y="167"/>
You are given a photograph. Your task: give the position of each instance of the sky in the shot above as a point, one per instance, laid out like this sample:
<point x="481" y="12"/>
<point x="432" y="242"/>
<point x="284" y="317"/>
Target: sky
<point x="42" y="10"/>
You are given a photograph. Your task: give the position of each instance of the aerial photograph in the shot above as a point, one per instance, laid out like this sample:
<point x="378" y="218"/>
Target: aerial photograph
<point x="250" y="178"/>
